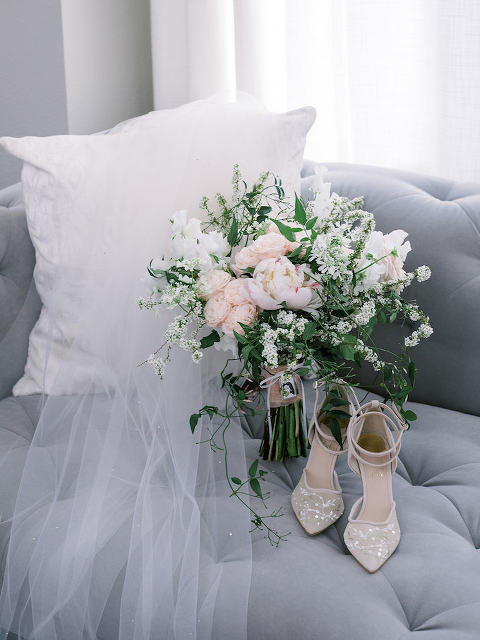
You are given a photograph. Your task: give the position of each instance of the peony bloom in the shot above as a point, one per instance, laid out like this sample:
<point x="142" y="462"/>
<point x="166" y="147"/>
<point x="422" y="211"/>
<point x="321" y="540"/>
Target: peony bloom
<point x="277" y="280"/>
<point x="236" y="291"/>
<point x="216" y="310"/>
<point x="244" y="313"/>
<point x="211" y="282"/>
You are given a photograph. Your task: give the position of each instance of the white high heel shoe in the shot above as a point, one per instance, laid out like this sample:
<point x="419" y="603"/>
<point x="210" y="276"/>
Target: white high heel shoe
<point x="374" y="439"/>
<point x="317" y="499"/>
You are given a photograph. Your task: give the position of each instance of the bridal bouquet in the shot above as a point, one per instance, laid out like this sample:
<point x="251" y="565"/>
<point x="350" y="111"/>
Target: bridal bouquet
<point x="293" y="289"/>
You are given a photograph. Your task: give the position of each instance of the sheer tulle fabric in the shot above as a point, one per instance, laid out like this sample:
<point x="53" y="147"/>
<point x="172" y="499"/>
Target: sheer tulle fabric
<point x="123" y="526"/>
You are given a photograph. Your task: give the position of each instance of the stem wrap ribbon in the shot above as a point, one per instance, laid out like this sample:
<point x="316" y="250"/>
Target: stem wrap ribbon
<point x="277" y="377"/>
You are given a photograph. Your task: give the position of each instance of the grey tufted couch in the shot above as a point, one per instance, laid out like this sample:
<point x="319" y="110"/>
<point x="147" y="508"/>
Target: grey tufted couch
<point x="311" y="587"/>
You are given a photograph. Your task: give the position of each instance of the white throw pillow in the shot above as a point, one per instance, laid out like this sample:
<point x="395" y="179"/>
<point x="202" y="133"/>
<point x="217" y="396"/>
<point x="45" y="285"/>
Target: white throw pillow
<point x="99" y="205"/>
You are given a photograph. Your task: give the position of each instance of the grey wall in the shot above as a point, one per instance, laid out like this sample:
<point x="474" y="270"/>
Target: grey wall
<point x="108" y="64"/>
<point x="32" y="76"/>
<point x="71" y="66"/>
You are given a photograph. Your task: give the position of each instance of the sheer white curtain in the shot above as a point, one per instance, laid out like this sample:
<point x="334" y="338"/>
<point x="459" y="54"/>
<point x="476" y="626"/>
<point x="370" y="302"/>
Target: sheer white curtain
<point x="395" y="82"/>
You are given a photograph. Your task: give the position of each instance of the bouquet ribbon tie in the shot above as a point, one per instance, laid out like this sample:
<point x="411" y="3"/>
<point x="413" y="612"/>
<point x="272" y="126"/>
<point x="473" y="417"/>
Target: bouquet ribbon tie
<point x="296" y="386"/>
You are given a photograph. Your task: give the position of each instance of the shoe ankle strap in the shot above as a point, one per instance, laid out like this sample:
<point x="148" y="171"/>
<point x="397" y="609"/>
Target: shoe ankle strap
<point x="358" y="455"/>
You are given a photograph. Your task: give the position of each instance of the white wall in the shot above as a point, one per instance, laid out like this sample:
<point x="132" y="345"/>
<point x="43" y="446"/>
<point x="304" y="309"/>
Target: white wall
<point x="32" y="77"/>
<point x="107" y="62"/>
<point x="71" y="66"/>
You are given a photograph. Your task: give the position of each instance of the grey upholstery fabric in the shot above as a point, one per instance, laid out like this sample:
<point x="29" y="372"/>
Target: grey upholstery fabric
<point x="19" y="301"/>
<point x="443" y="222"/>
<point x="310" y="587"/>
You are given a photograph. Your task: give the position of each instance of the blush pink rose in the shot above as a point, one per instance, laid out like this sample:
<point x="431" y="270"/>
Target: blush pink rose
<point x="246" y="258"/>
<point x="244" y="313"/>
<point x="216" y="310"/>
<point x="211" y="282"/>
<point x="270" y="245"/>
<point x="277" y="280"/>
<point x="236" y="291"/>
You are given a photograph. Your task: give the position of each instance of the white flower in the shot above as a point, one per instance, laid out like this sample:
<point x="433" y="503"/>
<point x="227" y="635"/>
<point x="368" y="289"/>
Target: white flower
<point x="424" y="330"/>
<point x="188" y="242"/>
<point x="412" y="340"/>
<point x="423" y="273"/>
<point x="322" y="197"/>
<point x="277" y="280"/>
<point x="387" y="253"/>
<point x="214" y="243"/>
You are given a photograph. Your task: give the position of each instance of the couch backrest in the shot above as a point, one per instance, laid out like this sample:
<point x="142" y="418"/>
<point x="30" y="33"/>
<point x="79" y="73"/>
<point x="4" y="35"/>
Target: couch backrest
<point x="19" y="301"/>
<point x="443" y="221"/>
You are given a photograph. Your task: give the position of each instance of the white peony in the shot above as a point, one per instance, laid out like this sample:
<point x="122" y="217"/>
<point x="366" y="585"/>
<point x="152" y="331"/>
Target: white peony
<point x="389" y="267"/>
<point x="277" y="280"/>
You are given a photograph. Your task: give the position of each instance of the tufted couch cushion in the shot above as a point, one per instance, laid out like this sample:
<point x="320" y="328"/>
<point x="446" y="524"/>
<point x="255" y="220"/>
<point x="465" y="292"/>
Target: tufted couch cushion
<point x="19" y="301"/>
<point x="310" y="587"/>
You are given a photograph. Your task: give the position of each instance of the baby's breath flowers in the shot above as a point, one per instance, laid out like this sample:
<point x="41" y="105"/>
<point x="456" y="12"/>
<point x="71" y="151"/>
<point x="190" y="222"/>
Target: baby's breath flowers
<point x="293" y="288"/>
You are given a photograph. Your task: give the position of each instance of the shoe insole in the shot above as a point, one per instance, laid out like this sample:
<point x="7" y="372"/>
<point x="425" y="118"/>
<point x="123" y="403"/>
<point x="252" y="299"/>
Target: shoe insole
<point x="377" y="481"/>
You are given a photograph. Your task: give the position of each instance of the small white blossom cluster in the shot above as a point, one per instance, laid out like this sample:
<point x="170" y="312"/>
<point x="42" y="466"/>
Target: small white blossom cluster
<point x="277" y="343"/>
<point x="176" y="333"/>
<point x="331" y="256"/>
<point x="369" y="355"/>
<point x="366" y="313"/>
<point x="157" y="364"/>
<point x="424" y="331"/>
<point x="423" y="273"/>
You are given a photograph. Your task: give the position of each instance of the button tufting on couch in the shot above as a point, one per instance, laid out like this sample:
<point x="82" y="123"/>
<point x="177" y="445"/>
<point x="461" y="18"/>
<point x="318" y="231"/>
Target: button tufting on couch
<point x="311" y="587"/>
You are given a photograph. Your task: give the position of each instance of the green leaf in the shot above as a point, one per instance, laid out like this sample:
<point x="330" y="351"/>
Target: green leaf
<point x="336" y="402"/>
<point x="411" y="372"/>
<point x="264" y="210"/>
<point x="249" y="269"/>
<point x="339" y="414"/>
<point x="335" y="429"/>
<point x="209" y="340"/>
<point x="194" y="421"/>
<point x="233" y="233"/>
<point x="247" y="349"/>
<point x="300" y="213"/>
<point x="252" y="472"/>
<point x="239" y="337"/>
<point x="285" y="230"/>
<point x="254" y="483"/>
<point x="309" y="330"/>
<point x="382" y="317"/>
<point x="303" y="371"/>
<point x="296" y="252"/>
<point x="347" y="351"/>
<point x="410" y="415"/>
<point x="236" y="480"/>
